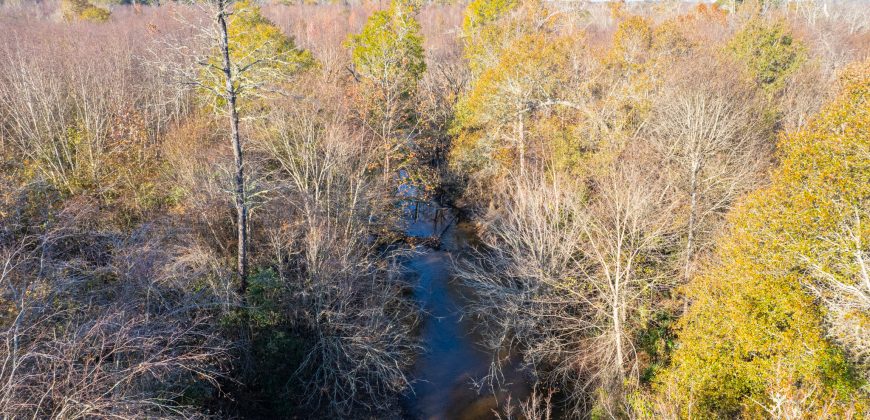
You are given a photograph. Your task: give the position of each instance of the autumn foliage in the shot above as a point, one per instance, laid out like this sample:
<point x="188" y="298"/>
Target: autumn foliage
<point x="754" y="333"/>
<point x="205" y="207"/>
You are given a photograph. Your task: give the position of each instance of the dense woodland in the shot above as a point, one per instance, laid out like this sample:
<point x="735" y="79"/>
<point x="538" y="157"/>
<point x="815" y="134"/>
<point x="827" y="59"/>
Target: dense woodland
<point x="200" y="217"/>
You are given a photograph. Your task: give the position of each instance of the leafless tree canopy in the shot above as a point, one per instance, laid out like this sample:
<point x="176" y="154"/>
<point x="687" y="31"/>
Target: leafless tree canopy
<point x="563" y="280"/>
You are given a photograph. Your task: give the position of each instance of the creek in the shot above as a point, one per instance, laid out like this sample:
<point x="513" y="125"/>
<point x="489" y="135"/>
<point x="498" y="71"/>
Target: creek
<point x="452" y="360"/>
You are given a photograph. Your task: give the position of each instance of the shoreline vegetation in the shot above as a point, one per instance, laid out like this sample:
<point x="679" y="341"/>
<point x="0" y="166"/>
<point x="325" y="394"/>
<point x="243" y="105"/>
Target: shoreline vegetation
<point x="488" y="209"/>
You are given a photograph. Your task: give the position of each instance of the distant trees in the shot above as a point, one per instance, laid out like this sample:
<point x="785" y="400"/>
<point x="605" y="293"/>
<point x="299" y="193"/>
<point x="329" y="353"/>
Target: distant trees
<point x="83" y="10"/>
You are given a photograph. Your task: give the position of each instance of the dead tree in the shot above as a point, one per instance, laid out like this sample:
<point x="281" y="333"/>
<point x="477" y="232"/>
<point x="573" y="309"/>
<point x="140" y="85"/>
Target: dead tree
<point x="708" y="130"/>
<point x="231" y="96"/>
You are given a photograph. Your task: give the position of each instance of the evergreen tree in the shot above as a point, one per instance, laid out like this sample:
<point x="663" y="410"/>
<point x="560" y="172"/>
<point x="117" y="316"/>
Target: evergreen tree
<point x="754" y="340"/>
<point x="388" y="56"/>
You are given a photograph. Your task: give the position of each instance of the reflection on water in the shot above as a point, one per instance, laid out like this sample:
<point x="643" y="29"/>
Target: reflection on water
<point x="443" y="374"/>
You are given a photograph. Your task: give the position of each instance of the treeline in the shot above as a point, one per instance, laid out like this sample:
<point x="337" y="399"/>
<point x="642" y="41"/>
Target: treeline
<point x="199" y="213"/>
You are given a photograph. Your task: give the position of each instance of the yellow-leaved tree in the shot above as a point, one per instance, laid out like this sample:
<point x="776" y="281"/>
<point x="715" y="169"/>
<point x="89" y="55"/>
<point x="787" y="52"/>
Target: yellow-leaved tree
<point x="261" y="57"/>
<point x="493" y="120"/>
<point x="389" y="59"/>
<point x="244" y="57"/>
<point x="484" y="37"/>
<point x="73" y="10"/>
<point x="778" y="319"/>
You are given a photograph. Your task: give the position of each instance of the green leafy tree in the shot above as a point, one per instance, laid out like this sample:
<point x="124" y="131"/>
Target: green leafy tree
<point x="247" y="57"/>
<point x="388" y="56"/>
<point x="484" y="36"/>
<point x="769" y="52"/>
<point x="754" y="341"/>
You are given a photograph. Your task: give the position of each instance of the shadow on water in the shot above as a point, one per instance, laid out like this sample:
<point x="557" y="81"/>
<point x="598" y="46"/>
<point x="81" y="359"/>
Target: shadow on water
<point x="452" y="360"/>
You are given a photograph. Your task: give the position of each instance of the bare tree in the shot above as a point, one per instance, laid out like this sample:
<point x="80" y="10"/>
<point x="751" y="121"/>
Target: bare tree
<point x="75" y="346"/>
<point x="564" y="278"/>
<point x="230" y="94"/>
<point x="63" y="107"/>
<point x="841" y="279"/>
<point x="538" y="406"/>
<point x="346" y="290"/>
<point x="708" y="128"/>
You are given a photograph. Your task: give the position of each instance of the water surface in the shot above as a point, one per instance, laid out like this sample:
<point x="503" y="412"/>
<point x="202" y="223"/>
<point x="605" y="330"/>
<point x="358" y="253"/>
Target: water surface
<point x="452" y="360"/>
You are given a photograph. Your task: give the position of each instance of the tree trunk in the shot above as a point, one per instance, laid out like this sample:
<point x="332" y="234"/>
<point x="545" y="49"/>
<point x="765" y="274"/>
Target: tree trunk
<point x="387" y="127"/>
<point x="617" y="336"/>
<point x="693" y="203"/>
<point x="387" y="150"/>
<point x="521" y="138"/>
<point x="239" y="178"/>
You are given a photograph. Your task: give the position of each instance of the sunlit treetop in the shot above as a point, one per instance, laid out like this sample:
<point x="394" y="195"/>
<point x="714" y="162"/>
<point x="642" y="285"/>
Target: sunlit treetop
<point x="83" y="10"/>
<point x="768" y="51"/>
<point x="482" y="32"/>
<point x="632" y="42"/>
<point x="684" y="33"/>
<point x="389" y="49"/>
<point x="714" y="12"/>
<point x="529" y="76"/>
<point x="257" y="44"/>
<point x="490" y="26"/>
<point x="530" y="70"/>
<point x="262" y="56"/>
<point x="754" y="333"/>
<point x="480" y="13"/>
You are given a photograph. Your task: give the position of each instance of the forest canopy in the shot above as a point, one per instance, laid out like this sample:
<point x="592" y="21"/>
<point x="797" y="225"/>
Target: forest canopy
<point x="506" y="209"/>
